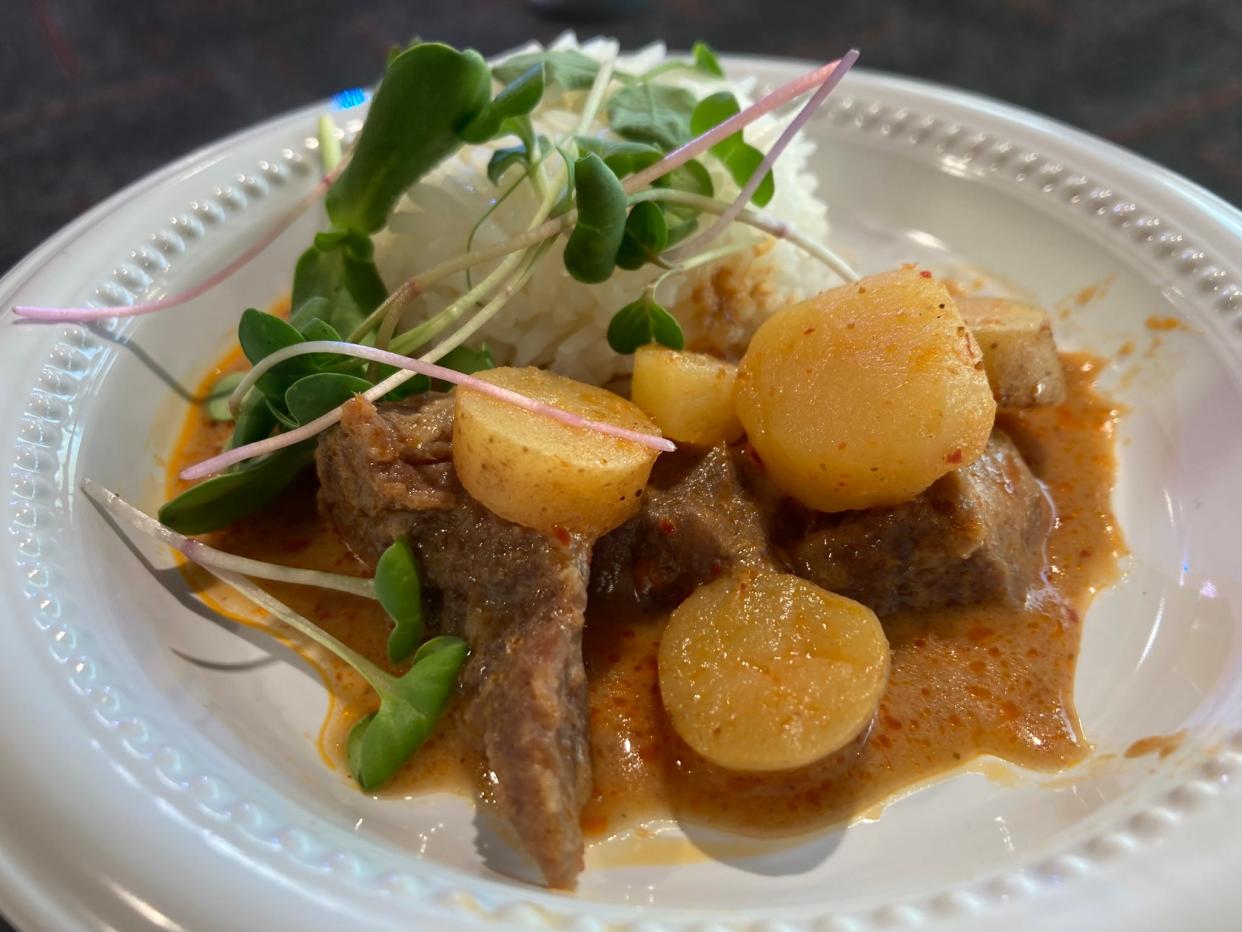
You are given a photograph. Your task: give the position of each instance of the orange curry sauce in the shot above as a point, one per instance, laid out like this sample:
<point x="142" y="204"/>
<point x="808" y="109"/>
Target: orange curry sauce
<point x="964" y="681"/>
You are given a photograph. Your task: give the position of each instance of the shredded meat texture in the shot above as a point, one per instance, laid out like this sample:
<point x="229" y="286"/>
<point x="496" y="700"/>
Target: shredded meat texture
<point x="979" y="533"/>
<point x="519" y="596"/>
<point x="516" y="595"/>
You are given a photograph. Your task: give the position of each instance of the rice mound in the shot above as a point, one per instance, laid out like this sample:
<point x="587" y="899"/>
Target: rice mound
<point x="558" y="322"/>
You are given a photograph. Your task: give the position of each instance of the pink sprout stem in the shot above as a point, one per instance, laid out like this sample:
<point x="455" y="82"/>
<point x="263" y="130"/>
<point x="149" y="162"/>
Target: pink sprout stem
<point x="722" y="222"/>
<point x="217" y="463"/>
<point x="692" y="149"/>
<point x="740" y="120"/>
<point x="82" y="314"/>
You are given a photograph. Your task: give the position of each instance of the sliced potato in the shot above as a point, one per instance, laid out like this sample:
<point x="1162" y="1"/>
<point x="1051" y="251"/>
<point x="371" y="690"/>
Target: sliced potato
<point x="1019" y="353"/>
<point x="866" y="394"/>
<point x="768" y="671"/>
<point x="541" y="473"/>
<point x="689" y="395"/>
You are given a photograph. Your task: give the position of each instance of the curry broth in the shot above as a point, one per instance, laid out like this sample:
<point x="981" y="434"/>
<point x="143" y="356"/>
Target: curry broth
<point x="964" y="681"/>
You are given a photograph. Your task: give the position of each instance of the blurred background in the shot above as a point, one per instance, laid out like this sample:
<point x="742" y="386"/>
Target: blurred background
<point x="99" y="92"/>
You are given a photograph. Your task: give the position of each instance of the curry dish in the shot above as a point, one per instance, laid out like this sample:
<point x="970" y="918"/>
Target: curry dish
<point x="994" y="677"/>
<point x="601" y="488"/>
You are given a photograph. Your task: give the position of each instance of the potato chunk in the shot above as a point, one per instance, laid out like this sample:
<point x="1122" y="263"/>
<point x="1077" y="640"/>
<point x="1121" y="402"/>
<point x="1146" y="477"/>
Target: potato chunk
<point x="768" y="671"/>
<point x="689" y="395"/>
<point x="541" y="473"/>
<point x="866" y="394"/>
<point x="1019" y="353"/>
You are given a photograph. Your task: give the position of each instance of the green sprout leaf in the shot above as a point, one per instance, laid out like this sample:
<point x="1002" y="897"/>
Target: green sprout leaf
<point x="320" y="392"/>
<point x="504" y="159"/>
<point x="623" y="157"/>
<point x="261" y="335"/>
<point x="336" y="280"/>
<point x="428" y="93"/>
<point x="705" y="60"/>
<point x="642" y="322"/>
<point x="399" y="588"/>
<point x="591" y="252"/>
<point x="522" y="128"/>
<point x="521" y="154"/>
<point x="516" y="99"/>
<point x="409" y="708"/>
<point x="223" y="499"/>
<point x="654" y="113"/>
<point x="694" y="178"/>
<point x="217" y="403"/>
<point x="646" y="236"/>
<point x="569" y="68"/>
<point x="254" y="422"/>
<point x="277" y="409"/>
<point x="738" y="156"/>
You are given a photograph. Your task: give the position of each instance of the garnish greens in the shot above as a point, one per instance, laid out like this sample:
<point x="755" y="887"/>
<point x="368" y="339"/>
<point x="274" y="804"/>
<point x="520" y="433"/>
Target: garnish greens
<point x="624" y="199"/>
<point x="409" y="704"/>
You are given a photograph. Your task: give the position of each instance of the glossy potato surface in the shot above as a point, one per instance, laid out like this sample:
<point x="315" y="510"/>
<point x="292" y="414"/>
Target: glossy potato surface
<point x="865" y="394"/>
<point x="769" y="672"/>
<point x="543" y="474"/>
<point x="689" y="395"/>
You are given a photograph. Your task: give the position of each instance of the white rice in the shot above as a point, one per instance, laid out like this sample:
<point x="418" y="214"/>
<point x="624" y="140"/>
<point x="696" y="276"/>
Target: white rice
<point x="555" y="320"/>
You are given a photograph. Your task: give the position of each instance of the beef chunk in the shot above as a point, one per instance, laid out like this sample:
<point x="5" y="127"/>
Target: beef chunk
<point x="387" y="469"/>
<point x="516" y="595"/>
<point x="978" y="533"/>
<point x="703" y="514"/>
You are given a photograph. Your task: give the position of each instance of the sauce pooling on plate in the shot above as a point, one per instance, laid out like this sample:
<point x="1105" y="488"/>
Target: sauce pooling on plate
<point x="964" y="681"/>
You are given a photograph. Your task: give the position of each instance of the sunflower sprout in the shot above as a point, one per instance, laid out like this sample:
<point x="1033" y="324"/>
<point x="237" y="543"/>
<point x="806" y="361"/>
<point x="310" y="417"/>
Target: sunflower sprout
<point x="202" y="554"/>
<point x="371" y="353"/>
<point x="743" y="198"/>
<point x="773" y="226"/>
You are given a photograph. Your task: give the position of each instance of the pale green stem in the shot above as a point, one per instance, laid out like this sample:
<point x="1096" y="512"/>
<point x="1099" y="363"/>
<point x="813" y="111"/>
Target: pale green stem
<point x="702" y="258"/>
<point x="125" y="512"/>
<point x="329" y="145"/>
<point x="765" y="222"/>
<point x="595" y="98"/>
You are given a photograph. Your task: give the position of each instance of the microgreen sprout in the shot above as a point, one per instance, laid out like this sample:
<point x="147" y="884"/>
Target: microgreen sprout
<point x="416" y="366"/>
<point x="624" y="200"/>
<point x="409" y="705"/>
<point x="760" y="174"/>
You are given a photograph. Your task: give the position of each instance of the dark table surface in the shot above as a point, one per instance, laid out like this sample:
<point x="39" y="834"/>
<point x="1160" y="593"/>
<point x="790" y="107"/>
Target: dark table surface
<point x="97" y="93"/>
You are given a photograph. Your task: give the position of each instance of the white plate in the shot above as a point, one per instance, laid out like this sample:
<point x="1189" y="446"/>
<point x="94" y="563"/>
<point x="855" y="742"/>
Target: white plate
<point x="144" y="790"/>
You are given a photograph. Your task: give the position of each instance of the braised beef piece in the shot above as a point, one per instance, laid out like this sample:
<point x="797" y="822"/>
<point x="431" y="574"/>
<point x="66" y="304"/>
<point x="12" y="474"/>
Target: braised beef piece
<point x="517" y="596"/>
<point x="978" y="533"/>
<point x="704" y="513"/>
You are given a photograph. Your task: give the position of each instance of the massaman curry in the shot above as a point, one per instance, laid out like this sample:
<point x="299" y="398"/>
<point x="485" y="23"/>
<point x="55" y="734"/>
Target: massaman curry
<point x="867" y="562"/>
